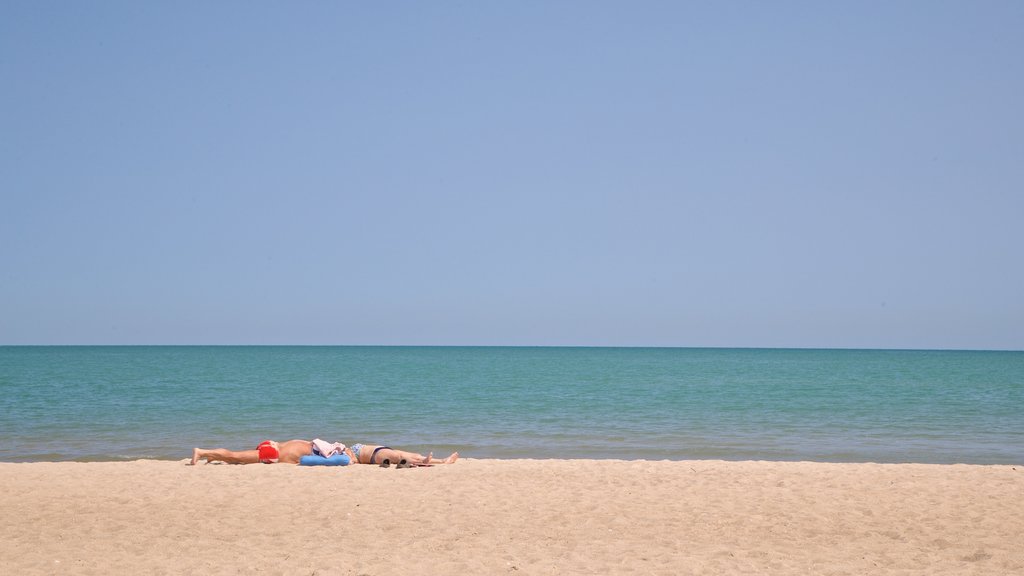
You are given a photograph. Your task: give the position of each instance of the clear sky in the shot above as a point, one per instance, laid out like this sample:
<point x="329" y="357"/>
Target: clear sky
<point x="777" y="174"/>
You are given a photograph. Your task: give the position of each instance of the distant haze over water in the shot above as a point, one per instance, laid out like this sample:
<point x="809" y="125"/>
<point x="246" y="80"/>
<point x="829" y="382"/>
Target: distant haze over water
<point x="113" y="403"/>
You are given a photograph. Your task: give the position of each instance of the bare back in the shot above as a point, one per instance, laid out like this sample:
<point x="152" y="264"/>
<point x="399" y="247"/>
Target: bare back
<point x="293" y="450"/>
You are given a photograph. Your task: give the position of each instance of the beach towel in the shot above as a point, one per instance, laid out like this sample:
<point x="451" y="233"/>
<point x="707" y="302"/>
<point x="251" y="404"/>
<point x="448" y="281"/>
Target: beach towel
<point x="327" y="449"/>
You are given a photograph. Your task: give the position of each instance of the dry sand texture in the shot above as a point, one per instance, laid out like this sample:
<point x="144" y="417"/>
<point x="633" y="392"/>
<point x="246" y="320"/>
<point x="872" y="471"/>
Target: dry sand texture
<point x="512" y="517"/>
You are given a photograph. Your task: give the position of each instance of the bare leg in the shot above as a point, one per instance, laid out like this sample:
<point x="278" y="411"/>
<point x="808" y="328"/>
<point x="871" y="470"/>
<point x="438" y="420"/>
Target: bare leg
<point x="413" y="458"/>
<point x="225" y="455"/>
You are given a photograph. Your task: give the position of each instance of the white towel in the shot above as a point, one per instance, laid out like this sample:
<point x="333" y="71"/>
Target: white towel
<point x="327" y="449"/>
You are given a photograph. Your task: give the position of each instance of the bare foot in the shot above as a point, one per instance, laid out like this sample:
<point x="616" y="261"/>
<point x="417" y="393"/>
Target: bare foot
<point x="196" y="456"/>
<point x="451" y="459"/>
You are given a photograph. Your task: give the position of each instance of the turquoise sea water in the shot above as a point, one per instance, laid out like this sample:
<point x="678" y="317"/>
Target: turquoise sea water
<point x="112" y="403"/>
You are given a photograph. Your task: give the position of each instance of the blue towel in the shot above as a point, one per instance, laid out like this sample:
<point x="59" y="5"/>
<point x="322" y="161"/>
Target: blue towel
<point x="314" y="460"/>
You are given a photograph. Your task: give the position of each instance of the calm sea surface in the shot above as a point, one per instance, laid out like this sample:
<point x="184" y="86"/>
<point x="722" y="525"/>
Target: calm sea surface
<point x="114" y="403"/>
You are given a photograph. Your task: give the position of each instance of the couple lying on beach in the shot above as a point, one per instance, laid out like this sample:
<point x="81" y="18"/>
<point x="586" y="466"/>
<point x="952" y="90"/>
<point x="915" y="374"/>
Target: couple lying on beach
<point x="292" y="452"/>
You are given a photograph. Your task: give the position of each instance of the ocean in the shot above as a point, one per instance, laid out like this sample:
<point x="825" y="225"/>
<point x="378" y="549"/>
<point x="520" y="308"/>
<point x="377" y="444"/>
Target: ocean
<point x="86" y="403"/>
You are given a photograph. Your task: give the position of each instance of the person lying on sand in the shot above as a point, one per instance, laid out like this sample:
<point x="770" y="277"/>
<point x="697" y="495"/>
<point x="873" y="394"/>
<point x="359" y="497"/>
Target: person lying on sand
<point x="292" y="451"/>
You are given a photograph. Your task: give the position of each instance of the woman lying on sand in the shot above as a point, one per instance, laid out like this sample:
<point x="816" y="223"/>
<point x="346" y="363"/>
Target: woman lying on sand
<point x="292" y="451"/>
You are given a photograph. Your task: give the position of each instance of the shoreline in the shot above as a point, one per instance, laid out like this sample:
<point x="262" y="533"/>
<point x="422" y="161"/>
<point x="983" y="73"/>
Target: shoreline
<point x="503" y="516"/>
<point x="128" y="460"/>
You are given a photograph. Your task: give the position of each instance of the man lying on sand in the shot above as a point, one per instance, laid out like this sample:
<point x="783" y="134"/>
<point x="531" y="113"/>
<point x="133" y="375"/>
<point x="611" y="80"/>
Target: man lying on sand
<point x="290" y="452"/>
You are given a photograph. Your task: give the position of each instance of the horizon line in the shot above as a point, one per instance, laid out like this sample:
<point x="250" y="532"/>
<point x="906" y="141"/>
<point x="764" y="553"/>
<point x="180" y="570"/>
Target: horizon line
<point x="595" y="346"/>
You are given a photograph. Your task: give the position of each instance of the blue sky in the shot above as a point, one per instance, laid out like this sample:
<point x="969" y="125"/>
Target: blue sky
<point x="789" y="174"/>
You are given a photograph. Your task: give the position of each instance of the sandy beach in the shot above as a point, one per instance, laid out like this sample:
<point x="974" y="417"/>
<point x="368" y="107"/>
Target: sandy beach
<point x="513" y="516"/>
